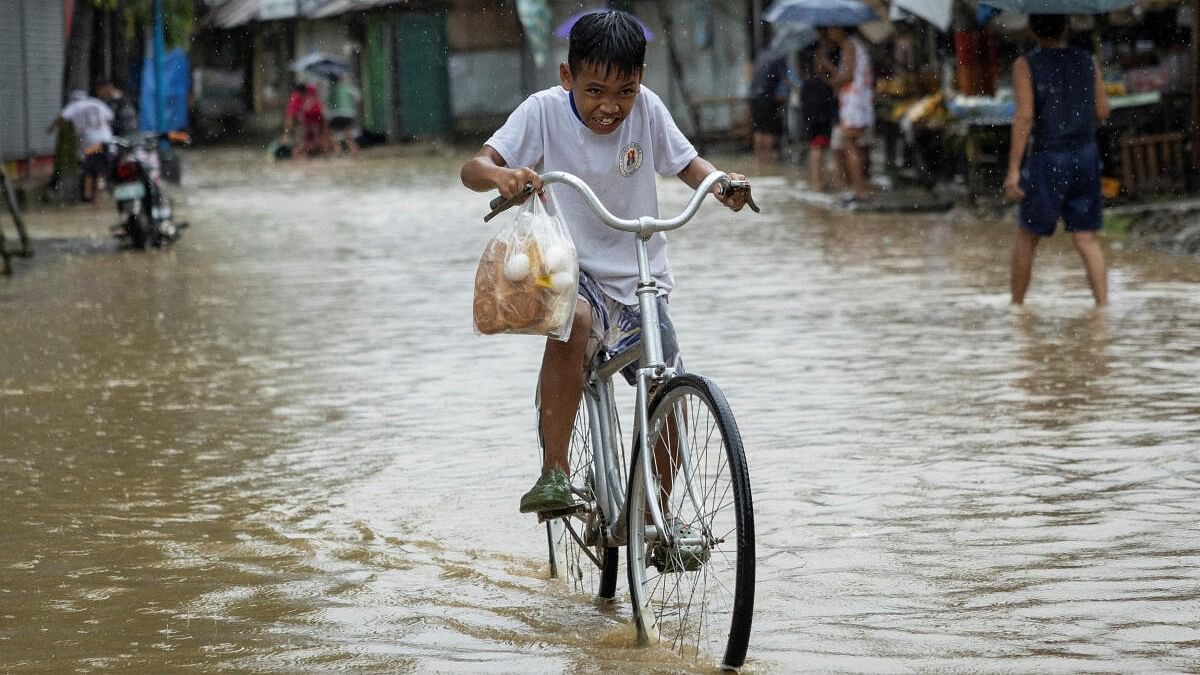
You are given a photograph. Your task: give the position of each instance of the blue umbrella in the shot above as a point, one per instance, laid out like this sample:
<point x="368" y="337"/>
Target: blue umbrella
<point x="1061" y="6"/>
<point x="564" y="29"/>
<point x="791" y="37"/>
<point x="820" y="12"/>
<point x="321" y="65"/>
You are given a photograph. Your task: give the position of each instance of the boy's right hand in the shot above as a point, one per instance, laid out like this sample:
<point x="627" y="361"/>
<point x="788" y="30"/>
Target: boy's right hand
<point x="510" y="182"/>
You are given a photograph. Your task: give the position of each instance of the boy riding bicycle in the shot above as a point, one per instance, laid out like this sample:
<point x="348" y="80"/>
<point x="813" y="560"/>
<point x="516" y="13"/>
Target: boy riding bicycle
<point x="602" y="126"/>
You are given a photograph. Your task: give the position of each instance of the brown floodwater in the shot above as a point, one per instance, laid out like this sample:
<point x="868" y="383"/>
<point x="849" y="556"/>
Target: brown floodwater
<point x="279" y="447"/>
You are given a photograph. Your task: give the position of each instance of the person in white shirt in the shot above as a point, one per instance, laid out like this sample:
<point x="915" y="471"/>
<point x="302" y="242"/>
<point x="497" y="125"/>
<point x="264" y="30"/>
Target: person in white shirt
<point x="92" y="121"/>
<point x="605" y="127"/>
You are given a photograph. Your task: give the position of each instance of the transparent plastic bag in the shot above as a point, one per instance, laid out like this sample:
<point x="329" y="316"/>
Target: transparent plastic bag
<point x="528" y="275"/>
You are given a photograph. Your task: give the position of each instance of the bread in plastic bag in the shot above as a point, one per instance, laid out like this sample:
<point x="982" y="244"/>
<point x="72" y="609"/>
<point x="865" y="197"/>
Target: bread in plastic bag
<point x="528" y="275"/>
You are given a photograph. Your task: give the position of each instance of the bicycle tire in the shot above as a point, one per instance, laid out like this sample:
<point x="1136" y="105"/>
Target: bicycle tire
<point x="664" y="599"/>
<point x="567" y="557"/>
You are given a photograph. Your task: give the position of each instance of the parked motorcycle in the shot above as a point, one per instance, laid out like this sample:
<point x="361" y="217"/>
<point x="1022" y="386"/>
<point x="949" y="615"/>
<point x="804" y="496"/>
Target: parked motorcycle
<point x="147" y="214"/>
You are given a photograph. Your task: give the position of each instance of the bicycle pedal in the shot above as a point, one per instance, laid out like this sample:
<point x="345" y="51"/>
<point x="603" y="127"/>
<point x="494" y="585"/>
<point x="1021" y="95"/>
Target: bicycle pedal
<point x="552" y="514"/>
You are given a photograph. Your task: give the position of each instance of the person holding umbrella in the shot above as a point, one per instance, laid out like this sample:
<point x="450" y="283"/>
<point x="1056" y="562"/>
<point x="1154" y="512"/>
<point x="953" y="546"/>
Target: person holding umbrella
<point x="854" y="83"/>
<point x="1060" y="97"/>
<point x="304" y="110"/>
<point x="343" y="104"/>
<point x="768" y="96"/>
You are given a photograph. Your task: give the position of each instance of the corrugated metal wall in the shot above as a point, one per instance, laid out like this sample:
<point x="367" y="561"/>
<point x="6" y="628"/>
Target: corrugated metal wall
<point x="31" y="66"/>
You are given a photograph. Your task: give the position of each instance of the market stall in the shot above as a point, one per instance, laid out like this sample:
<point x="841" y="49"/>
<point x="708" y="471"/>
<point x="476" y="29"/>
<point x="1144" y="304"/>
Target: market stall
<point x="962" y="128"/>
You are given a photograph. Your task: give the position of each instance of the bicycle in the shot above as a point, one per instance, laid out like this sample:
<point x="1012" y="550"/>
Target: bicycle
<point x="9" y="197"/>
<point x="683" y="509"/>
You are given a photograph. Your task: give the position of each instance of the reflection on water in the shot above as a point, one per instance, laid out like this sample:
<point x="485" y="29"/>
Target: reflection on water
<point x="280" y="448"/>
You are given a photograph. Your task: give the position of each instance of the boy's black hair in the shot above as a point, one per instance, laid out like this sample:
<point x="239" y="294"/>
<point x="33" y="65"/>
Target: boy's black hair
<point x="1048" y="26"/>
<point x="300" y="87"/>
<point x="609" y="40"/>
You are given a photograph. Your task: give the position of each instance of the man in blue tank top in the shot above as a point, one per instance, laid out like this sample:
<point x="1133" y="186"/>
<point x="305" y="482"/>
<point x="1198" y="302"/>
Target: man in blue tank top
<point x="1060" y="96"/>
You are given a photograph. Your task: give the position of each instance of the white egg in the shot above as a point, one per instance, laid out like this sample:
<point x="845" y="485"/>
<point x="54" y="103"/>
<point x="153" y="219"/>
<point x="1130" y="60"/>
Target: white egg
<point x="516" y="267"/>
<point x="557" y="258"/>
<point x="561" y="281"/>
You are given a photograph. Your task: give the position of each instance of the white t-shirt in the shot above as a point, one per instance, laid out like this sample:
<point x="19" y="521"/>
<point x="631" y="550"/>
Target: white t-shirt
<point x="92" y="120"/>
<point x="544" y="133"/>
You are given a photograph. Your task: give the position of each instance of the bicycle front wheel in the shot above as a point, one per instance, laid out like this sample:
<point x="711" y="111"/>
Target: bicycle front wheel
<point x="694" y="594"/>
<point x="576" y="545"/>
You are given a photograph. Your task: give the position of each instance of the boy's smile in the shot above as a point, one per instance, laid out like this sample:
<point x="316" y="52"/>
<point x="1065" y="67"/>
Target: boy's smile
<point x="603" y="96"/>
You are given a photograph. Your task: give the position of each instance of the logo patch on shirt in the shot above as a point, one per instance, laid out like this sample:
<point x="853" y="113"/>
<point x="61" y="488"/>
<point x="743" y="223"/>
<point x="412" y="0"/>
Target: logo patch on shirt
<point x="630" y="160"/>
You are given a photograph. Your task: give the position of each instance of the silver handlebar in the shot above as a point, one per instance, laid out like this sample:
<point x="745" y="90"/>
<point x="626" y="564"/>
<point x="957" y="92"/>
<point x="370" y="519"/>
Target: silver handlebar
<point x="644" y="225"/>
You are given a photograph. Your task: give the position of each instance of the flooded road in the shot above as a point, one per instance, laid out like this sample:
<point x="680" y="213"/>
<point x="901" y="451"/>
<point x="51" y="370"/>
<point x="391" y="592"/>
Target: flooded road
<point x="279" y="447"/>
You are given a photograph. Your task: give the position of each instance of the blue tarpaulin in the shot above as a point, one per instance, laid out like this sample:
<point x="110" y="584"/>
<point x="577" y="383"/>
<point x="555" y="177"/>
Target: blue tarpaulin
<point x="177" y="74"/>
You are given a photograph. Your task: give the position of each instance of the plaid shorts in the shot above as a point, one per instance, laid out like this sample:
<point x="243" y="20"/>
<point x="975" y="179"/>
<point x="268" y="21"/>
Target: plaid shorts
<point x="617" y="327"/>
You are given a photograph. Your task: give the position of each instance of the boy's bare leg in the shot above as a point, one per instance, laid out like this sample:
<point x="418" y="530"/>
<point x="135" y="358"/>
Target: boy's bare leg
<point x="855" y="164"/>
<point x="764" y="148"/>
<point x="816" y="165"/>
<point x="561" y="386"/>
<point x="1089" y="249"/>
<point x="840" y="179"/>
<point x="1022" y="263"/>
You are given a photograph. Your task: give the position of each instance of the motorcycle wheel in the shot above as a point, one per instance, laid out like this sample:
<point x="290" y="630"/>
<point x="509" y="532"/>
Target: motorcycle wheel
<point x="140" y="230"/>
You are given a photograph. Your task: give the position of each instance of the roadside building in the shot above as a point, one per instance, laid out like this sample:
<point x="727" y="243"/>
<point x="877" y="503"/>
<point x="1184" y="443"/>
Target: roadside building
<point x="32" y="45"/>
<point x="436" y="68"/>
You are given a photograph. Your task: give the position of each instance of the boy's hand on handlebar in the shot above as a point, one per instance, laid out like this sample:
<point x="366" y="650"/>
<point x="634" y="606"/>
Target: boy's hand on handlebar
<point x="510" y="182"/>
<point x="735" y="200"/>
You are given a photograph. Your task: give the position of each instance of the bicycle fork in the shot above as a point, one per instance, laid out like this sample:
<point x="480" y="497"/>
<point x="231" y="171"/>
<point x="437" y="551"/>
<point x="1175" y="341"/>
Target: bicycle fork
<point x="654" y="370"/>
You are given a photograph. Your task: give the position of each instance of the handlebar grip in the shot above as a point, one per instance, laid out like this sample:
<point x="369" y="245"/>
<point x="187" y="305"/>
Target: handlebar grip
<point x="501" y="204"/>
<point x="740" y="186"/>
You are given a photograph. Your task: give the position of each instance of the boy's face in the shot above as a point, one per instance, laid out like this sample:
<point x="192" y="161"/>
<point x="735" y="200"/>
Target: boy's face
<point x="603" y="99"/>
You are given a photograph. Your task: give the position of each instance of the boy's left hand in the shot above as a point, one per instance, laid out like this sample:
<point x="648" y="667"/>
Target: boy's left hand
<point x="734" y="201"/>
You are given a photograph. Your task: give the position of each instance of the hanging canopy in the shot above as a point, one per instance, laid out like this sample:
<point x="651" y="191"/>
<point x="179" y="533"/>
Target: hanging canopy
<point x="937" y="12"/>
<point x="1061" y="6"/>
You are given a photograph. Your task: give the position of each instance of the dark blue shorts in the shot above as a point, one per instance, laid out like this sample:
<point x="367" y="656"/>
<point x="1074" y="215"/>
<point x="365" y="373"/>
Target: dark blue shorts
<point x="1062" y="183"/>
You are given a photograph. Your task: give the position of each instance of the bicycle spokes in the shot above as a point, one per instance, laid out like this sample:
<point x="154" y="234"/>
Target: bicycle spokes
<point x="693" y="588"/>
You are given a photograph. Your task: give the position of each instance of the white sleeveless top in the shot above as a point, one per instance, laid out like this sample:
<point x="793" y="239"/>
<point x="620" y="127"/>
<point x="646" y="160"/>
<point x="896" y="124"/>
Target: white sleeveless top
<point x="856" y="100"/>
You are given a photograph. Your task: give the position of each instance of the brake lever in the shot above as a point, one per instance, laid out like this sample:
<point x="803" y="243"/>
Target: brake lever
<point x="501" y="204"/>
<point x="740" y="186"/>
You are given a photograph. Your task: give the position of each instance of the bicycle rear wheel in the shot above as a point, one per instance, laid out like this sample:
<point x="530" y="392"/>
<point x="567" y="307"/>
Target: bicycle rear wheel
<point x="577" y="552"/>
<point x="696" y="595"/>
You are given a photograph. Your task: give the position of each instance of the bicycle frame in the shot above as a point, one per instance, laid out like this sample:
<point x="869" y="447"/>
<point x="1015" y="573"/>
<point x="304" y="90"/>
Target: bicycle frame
<point x="610" y="496"/>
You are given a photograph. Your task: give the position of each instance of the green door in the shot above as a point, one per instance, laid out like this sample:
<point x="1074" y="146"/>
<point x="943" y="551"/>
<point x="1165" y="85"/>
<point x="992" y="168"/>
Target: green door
<point x="423" y="78"/>
<point x="376" y="78"/>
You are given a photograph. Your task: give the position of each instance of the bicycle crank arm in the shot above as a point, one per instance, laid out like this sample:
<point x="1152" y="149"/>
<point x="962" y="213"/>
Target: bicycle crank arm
<point x="552" y="514"/>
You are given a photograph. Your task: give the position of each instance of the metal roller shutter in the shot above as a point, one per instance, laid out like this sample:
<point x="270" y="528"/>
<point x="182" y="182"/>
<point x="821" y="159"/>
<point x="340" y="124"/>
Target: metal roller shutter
<point x="12" y="81"/>
<point x="45" y="55"/>
<point x="31" y="67"/>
